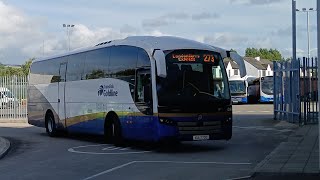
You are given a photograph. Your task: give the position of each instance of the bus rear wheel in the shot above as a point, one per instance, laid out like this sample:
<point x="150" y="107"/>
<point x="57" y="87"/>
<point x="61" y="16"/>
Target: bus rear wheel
<point x="50" y="125"/>
<point x="112" y="131"/>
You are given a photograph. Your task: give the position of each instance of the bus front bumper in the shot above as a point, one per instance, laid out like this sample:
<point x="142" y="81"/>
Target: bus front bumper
<point x="196" y="131"/>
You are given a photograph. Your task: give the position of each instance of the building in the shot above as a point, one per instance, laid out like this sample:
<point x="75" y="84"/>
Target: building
<point x="258" y="67"/>
<point x="232" y="67"/>
<point x="12" y="65"/>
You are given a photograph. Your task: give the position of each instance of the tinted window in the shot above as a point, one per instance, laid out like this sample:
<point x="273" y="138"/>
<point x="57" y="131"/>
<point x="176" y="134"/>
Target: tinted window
<point x="123" y="60"/>
<point x="96" y="64"/>
<point x="47" y="71"/>
<point x="143" y="58"/>
<point x="75" y="67"/>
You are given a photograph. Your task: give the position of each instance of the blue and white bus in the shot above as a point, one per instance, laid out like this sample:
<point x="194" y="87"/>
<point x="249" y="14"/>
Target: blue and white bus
<point x="142" y="88"/>
<point x="262" y="89"/>
<point x="239" y="88"/>
<point x="266" y="89"/>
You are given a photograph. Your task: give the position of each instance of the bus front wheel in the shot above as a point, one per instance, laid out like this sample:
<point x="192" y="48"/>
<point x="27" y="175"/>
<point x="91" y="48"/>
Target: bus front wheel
<point x="50" y="125"/>
<point x="112" y="130"/>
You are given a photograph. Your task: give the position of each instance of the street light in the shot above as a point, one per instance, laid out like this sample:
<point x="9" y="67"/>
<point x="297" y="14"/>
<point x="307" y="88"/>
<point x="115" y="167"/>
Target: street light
<point x="68" y="26"/>
<point x="308" y="35"/>
<point x="308" y="31"/>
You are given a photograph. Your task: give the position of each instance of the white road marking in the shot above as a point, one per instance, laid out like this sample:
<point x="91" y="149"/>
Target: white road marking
<point x="196" y="162"/>
<point x="109" y="170"/>
<point x="238" y="178"/>
<point x="108" y="150"/>
<point x="178" y="162"/>
<point x="262" y="128"/>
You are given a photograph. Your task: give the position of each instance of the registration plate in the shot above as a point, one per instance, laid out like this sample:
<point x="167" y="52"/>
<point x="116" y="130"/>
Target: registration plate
<point x="200" y="137"/>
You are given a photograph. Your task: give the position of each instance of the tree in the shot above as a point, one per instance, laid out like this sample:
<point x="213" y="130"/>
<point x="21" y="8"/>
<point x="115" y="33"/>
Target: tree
<point x="10" y="71"/>
<point x="264" y="53"/>
<point x="26" y="66"/>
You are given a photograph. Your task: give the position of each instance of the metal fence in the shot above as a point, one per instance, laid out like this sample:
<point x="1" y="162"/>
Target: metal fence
<point x="296" y="91"/>
<point x="13" y="97"/>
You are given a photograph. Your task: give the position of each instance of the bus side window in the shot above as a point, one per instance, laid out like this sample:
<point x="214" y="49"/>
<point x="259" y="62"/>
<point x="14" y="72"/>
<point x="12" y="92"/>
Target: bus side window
<point x="75" y="67"/>
<point x="97" y="64"/>
<point x="143" y="87"/>
<point x="1" y="96"/>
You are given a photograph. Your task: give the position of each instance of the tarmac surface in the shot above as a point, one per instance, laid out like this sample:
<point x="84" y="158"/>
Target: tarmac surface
<point x="34" y="155"/>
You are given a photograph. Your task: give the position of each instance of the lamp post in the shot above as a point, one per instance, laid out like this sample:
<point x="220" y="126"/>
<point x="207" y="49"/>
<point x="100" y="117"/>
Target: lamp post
<point x="68" y="26"/>
<point x="308" y="36"/>
<point x="308" y="31"/>
<point x="318" y="36"/>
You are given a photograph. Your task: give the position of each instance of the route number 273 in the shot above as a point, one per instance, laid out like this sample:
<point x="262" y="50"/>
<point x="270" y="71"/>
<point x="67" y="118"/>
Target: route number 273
<point x="208" y="58"/>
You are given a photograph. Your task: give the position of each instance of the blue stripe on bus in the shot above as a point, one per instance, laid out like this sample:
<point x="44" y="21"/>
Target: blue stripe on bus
<point x="139" y="127"/>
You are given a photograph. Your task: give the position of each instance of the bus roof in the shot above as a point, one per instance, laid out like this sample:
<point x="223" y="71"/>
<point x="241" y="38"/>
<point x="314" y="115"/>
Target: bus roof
<point x="237" y="78"/>
<point x="149" y="43"/>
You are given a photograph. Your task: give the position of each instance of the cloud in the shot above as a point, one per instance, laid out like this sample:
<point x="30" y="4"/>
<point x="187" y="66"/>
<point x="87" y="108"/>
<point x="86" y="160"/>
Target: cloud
<point x="154" y="23"/>
<point x="287" y="52"/>
<point x="164" y="20"/>
<point x="173" y="18"/>
<point x="225" y="40"/>
<point x="204" y="15"/>
<point x="287" y="31"/>
<point x="256" y="2"/>
<point x="15" y="27"/>
<point x="128" y="29"/>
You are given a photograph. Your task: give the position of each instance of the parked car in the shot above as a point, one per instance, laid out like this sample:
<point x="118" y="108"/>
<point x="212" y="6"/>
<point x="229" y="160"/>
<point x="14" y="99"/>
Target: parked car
<point x="7" y="99"/>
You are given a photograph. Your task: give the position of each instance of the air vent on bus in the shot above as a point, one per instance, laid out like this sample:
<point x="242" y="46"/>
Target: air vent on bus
<point x="107" y="42"/>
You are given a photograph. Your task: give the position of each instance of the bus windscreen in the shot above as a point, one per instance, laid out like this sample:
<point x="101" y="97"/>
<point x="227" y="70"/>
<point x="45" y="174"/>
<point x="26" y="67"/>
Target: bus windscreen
<point x="193" y="76"/>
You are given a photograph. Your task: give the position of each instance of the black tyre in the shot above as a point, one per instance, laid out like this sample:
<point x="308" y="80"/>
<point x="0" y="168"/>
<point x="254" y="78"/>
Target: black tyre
<point x="50" y="125"/>
<point x="112" y="131"/>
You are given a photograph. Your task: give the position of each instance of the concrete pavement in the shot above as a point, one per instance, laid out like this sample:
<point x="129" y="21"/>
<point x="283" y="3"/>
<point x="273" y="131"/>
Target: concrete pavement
<point x="298" y="156"/>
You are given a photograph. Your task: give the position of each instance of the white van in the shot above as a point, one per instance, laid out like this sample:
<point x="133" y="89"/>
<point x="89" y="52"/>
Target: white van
<point x="7" y="99"/>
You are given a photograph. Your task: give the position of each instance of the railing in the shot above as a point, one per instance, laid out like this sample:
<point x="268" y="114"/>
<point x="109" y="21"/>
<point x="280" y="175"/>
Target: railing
<point x="296" y="91"/>
<point x="13" y="98"/>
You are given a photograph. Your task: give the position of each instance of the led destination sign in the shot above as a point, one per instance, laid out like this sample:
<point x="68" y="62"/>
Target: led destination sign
<point x="208" y="58"/>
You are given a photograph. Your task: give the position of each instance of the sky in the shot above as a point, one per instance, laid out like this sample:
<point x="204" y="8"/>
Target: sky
<point x="34" y="28"/>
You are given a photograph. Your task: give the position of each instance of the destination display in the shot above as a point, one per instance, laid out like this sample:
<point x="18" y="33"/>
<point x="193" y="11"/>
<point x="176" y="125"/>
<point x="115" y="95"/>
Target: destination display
<point x="200" y="57"/>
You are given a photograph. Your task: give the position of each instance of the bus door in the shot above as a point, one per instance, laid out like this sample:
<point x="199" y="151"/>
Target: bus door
<point x="143" y="123"/>
<point x="61" y="94"/>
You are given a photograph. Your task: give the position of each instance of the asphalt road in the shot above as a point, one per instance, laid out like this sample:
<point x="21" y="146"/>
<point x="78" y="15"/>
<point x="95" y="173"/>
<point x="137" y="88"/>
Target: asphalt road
<point x="34" y="155"/>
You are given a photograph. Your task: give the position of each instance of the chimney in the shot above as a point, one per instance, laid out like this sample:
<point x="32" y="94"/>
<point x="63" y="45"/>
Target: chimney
<point x="257" y="58"/>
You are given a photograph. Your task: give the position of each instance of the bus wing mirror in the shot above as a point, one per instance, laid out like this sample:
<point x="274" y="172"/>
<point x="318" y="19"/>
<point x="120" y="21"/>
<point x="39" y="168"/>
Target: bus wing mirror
<point x="159" y="56"/>
<point x="239" y="60"/>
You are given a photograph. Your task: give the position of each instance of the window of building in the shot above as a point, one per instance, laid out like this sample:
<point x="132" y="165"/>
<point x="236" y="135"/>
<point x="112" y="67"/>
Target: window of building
<point x="236" y="72"/>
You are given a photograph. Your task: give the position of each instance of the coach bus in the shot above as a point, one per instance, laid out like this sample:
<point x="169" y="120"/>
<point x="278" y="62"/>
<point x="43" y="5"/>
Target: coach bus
<point x="140" y="88"/>
<point x="239" y="88"/>
<point x="264" y="88"/>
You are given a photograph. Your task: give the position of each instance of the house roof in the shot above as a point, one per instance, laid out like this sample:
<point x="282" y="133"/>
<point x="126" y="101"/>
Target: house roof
<point x="265" y="61"/>
<point x="234" y="65"/>
<point x="257" y="64"/>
